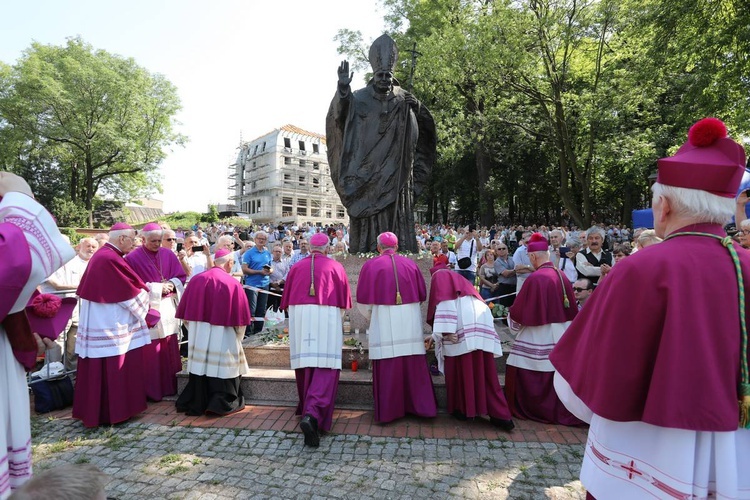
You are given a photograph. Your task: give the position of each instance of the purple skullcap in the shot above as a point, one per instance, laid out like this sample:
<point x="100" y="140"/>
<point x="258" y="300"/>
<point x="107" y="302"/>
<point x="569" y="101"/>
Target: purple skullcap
<point x="319" y="240"/>
<point x="151" y="226"/>
<point x="221" y="253"/>
<point x="120" y="226"/>
<point x="388" y="239"/>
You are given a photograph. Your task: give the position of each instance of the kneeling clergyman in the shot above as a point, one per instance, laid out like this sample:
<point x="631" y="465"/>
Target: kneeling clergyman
<point x="216" y="311"/>
<point x="316" y="294"/>
<point x="466" y="345"/>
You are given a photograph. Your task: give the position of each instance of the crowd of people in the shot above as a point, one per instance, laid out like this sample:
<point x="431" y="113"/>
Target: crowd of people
<point x="667" y="398"/>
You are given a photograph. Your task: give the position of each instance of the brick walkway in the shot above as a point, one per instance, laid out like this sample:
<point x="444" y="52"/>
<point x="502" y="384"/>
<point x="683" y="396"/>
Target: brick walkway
<point x="360" y="422"/>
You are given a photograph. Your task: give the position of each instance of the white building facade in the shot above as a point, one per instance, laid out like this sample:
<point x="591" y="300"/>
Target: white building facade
<point x="283" y="177"/>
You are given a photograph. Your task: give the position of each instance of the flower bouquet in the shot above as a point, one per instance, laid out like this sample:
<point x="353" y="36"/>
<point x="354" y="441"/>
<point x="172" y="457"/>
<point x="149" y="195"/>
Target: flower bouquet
<point x="498" y="310"/>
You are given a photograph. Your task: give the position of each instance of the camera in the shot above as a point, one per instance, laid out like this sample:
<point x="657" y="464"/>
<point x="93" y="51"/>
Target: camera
<point x="197" y="249"/>
<point x="179" y="247"/>
<point x="564" y="250"/>
<point x="267" y="266"/>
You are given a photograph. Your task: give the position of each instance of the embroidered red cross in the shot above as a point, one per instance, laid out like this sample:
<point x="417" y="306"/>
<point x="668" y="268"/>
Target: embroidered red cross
<point x="630" y="468"/>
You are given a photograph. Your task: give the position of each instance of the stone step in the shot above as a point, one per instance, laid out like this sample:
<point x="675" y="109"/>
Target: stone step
<point x="269" y="385"/>
<point x="276" y="355"/>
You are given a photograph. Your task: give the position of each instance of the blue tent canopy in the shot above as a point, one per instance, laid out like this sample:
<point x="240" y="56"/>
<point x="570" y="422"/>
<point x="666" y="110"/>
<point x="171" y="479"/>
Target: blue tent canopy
<point x="643" y="218"/>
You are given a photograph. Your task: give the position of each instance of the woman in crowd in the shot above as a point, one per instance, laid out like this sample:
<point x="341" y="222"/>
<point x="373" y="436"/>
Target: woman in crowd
<point x="488" y="275"/>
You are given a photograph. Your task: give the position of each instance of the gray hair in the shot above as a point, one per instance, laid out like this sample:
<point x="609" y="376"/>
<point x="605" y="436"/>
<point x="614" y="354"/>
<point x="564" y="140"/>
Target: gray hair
<point x="146" y="234"/>
<point x="573" y="243"/>
<point x="225" y="237"/>
<point x="745" y="224"/>
<point x="648" y="237"/>
<point x="113" y="235"/>
<point x="223" y="260"/>
<point x="595" y="230"/>
<point x="320" y="248"/>
<point x="696" y="204"/>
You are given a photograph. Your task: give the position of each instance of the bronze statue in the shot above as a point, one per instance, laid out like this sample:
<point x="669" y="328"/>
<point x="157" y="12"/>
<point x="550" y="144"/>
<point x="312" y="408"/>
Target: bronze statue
<point x="381" y="147"/>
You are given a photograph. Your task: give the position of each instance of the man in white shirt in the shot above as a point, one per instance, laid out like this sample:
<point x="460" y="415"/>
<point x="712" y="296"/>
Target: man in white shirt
<point x="594" y="262"/>
<point x="468" y="247"/>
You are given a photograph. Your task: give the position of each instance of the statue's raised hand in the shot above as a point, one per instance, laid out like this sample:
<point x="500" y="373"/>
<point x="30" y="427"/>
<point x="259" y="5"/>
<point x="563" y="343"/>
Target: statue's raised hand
<point x="345" y="78"/>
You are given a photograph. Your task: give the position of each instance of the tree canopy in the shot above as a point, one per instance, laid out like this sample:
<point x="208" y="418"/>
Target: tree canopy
<point x="77" y="121"/>
<point x="556" y="110"/>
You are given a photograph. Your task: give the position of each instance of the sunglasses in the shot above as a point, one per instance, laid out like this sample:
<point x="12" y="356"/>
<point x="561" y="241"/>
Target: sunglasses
<point x="170" y="239"/>
<point x="580" y="289"/>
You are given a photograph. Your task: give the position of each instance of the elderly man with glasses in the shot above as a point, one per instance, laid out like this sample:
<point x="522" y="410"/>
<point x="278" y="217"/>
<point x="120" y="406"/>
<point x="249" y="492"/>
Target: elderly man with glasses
<point x="159" y="268"/>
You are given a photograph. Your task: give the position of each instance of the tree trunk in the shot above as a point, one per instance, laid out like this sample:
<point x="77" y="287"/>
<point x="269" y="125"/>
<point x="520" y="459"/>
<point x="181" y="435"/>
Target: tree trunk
<point x="89" y="199"/>
<point x="486" y="205"/>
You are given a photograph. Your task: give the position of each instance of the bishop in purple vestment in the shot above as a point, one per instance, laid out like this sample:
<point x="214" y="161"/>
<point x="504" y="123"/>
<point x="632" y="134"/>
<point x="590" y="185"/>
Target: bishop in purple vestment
<point x="316" y="294"/>
<point x="389" y="292"/>
<point x="541" y="313"/>
<point x="657" y="361"/>
<point x="161" y="270"/>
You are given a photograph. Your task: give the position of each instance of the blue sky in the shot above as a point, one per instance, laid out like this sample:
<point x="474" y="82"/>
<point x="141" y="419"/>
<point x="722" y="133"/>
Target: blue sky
<point x="239" y="66"/>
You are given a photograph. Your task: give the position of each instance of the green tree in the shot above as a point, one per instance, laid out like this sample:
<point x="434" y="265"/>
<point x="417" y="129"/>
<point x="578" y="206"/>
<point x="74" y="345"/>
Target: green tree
<point x="211" y="216"/>
<point x="556" y="110"/>
<point x="68" y="213"/>
<point x="99" y="120"/>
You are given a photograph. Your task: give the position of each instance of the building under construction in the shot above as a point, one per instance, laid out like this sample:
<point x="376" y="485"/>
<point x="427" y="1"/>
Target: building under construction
<point x="283" y="177"/>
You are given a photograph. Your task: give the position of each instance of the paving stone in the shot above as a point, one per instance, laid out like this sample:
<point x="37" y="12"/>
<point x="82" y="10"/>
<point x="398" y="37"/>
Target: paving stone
<point x="215" y="463"/>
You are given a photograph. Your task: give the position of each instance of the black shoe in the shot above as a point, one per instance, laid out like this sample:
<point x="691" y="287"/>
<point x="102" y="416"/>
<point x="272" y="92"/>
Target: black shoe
<point x="309" y="426"/>
<point x="459" y="416"/>
<point x="506" y="425"/>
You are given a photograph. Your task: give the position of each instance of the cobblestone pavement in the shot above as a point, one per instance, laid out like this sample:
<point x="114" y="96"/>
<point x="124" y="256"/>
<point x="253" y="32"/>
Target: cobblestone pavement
<point x="185" y="462"/>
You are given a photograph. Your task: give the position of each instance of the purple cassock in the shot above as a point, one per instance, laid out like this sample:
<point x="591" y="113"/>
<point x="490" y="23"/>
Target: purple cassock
<point x="317" y="373"/>
<point x="679" y="368"/>
<point x="109" y="389"/>
<point x="389" y="291"/>
<point x="216" y="307"/>
<point x="541" y="311"/>
<point x="471" y="379"/>
<point x="162" y="356"/>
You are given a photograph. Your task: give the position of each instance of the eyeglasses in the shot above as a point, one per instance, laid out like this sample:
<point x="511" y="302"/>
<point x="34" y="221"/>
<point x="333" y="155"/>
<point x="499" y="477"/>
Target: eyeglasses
<point x="575" y="288"/>
<point x="745" y="231"/>
<point x="170" y="239"/>
<point x="502" y="248"/>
